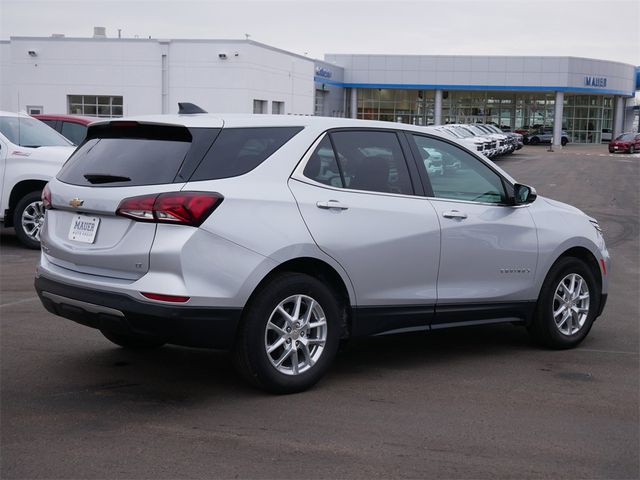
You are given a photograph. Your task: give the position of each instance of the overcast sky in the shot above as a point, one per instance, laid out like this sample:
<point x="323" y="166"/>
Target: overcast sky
<point x="605" y="29"/>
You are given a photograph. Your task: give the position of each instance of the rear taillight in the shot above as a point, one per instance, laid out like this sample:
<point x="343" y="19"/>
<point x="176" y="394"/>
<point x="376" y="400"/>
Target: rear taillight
<point x="183" y="208"/>
<point x="46" y="197"/>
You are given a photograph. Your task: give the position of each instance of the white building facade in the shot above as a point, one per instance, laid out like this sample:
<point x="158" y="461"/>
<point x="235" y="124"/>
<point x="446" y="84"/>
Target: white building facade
<point x="91" y="76"/>
<point x="111" y="77"/>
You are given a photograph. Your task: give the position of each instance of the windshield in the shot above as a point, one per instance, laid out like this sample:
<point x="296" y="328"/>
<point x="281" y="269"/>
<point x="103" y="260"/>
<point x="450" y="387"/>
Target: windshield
<point x="29" y="132"/>
<point x="475" y="130"/>
<point x="464" y="133"/>
<point x="626" y="137"/>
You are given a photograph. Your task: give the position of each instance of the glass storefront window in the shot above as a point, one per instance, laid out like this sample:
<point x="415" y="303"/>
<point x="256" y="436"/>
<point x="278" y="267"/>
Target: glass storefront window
<point x="584" y="116"/>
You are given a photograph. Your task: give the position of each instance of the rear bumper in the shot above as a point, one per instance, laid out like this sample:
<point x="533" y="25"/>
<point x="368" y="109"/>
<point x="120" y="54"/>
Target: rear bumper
<point x="119" y="313"/>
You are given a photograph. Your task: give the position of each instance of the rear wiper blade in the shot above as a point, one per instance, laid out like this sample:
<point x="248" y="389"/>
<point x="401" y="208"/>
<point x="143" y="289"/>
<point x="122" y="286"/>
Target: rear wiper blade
<point x="96" y="178"/>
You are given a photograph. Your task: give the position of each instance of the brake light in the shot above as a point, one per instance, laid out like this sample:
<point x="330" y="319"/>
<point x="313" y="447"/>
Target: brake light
<point x="46" y="197"/>
<point x="183" y="208"/>
<point x="165" y="298"/>
<point x="123" y="123"/>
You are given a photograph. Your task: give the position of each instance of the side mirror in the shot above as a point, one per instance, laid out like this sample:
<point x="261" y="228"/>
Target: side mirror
<point x="523" y="194"/>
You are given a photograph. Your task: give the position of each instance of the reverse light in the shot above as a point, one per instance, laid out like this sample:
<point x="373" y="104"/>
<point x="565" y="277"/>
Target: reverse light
<point x="46" y="197"/>
<point x="165" y="298"/>
<point x="182" y="208"/>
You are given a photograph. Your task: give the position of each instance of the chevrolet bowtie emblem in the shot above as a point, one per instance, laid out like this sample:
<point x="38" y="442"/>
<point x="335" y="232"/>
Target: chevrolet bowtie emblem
<point x="76" y="202"/>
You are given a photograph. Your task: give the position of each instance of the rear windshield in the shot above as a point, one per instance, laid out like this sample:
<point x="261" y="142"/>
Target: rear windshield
<point x="124" y="161"/>
<point x="152" y="155"/>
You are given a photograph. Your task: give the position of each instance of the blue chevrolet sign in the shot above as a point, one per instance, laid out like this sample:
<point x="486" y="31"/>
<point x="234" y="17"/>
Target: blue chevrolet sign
<point x="590" y="81"/>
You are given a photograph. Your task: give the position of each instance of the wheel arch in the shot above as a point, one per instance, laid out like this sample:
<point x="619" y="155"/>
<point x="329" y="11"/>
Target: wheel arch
<point x="588" y="258"/>
<point x="322" y="271"/>
<point x="18" y="191"/>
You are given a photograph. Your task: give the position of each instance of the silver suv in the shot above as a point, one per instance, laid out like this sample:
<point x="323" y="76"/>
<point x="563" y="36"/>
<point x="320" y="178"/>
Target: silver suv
<point x="277" y="236"/>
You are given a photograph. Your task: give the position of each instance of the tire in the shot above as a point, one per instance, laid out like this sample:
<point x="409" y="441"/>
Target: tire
<point x="564" y="142"/>
<point x="133" y="342"/>
<point x="534" y="141"/>
<point x="27" y="219"/>
<point x="555" y="332"/>
<point x="264" y="326"/>
<point x="632" y="149"/>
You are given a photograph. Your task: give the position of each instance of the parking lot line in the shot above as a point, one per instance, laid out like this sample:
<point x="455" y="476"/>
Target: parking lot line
<point x="18" y="302"/>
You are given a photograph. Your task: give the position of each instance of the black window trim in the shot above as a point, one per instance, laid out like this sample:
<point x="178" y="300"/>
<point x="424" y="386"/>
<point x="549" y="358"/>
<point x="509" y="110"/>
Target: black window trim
<point x="506" y="184"/>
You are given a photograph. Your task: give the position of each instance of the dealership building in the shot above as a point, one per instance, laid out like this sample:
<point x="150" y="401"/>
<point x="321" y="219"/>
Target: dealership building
<point x="110" y="77"/>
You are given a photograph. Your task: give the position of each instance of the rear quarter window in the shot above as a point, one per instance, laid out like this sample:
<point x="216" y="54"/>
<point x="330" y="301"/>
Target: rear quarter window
<point x="237" y="151"/>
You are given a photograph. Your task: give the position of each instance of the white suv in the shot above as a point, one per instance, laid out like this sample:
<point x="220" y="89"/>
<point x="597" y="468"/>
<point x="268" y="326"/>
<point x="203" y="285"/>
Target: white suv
<point x="276" y="236"/>
<point x="31" y="153"/>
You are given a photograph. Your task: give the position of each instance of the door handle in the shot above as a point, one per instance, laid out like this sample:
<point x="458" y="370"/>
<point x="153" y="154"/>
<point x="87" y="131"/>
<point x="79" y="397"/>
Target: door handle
<point x="332" y="204"/>
<point x="455" y="214"/>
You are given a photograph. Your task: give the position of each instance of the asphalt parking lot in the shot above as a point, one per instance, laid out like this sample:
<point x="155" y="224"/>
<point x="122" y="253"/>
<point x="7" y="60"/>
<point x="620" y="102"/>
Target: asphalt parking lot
<point x="463" y="403"/>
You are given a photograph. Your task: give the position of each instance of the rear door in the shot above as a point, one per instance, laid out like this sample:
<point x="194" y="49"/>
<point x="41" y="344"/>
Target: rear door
<point x="356" y="195"/>
<point x="119" y="160"/>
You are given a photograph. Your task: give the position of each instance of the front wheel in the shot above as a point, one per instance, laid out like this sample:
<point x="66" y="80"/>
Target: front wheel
<point x="567" y="305"/>
<point x="289" y="335"/>
<point x="28" y="218"/>
<point x="534" y="141"/>
<point x="564" y="142"/>
<point x="632" y="149"/>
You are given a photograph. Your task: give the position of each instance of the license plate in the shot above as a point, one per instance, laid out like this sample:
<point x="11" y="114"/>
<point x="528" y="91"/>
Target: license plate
<point x="615" y="148"/>
<point x="84" y="228"/>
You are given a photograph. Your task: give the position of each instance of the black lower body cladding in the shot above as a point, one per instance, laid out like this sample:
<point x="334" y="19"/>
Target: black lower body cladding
<point x="119" y="313"/>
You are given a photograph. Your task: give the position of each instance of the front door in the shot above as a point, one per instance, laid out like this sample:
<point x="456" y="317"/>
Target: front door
<point x="489" y="248"/>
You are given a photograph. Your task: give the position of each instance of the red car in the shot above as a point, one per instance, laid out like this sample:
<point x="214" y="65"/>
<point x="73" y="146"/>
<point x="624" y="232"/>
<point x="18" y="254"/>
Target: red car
<point x="74" y="127"/>
<point x="627" y="142"/>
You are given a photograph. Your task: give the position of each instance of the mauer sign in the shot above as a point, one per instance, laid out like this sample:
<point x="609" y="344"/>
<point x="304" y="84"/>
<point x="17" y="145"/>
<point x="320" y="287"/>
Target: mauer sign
<point x="595" y="81"/>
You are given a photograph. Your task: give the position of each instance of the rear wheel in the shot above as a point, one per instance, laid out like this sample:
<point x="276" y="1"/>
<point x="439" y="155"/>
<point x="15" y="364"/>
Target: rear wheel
<point x="564" y="141"/>
<point x="632" y="149"/>
<point x="28" y="218"/>
<point x="567" y="305"/>
<point x="534" y="141"/>
<point x="290" y="334"/>
<point x="133" y="342"/>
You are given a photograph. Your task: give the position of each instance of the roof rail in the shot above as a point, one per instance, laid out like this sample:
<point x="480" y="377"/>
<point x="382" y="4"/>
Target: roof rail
<point x="186" y="108"/>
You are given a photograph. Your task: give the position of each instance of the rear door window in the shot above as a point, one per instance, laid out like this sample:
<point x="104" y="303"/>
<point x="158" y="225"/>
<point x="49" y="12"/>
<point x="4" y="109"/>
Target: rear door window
<point x="372" y="161"/>
<point x="237" y="151"/>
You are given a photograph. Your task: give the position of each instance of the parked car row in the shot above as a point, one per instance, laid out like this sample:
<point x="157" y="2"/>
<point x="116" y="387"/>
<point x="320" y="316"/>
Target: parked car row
<point x="484" y="138"/>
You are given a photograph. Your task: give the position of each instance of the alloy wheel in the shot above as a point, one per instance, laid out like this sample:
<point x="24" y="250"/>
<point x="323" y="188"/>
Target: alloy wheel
<point x="295" y="335"/>
<point x="32" y="219"/>
<point x="571" y="304"/>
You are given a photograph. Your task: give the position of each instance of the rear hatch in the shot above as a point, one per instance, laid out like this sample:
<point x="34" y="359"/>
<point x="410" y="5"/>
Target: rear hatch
<point x="118" y="160"/>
